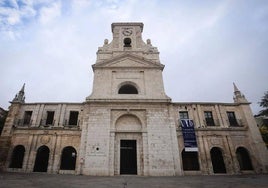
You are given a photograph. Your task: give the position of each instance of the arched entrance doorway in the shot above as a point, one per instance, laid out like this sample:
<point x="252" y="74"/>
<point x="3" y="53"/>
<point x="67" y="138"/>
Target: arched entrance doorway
<point x="68" y="158"/>
<point x="190" y="160"/>
<point x="41" y="160"/>
<point x="243" y="159"/>
<point x="217" y="160"/>
<point x="128" y="145"/>
<point x="17" y="157"/>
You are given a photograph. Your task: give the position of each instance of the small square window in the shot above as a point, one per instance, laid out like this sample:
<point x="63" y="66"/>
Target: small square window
<point x="27" y="117"/>
<point x="209" y="118"/>
<point x="73" y="118"/>
<point x="184" y="115"/>
<point x="232" y="119"/>
<point x="50" y="118"/>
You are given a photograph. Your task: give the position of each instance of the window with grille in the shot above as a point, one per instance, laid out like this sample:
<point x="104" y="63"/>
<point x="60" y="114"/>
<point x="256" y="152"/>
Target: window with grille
<point x="209" y="118"/>
<point x="184" y="115"/>
<point x="232" y="119"/>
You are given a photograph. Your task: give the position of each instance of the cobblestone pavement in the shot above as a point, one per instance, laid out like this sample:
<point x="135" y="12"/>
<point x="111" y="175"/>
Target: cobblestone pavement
<point x="43" y="180"/>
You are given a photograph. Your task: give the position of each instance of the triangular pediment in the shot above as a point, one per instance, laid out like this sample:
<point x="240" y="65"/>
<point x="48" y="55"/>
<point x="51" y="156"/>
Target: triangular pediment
<point x="128" y="60"/>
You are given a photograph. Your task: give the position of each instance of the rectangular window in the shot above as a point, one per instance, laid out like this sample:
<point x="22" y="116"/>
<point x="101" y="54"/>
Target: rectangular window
<point x="73" y="118"/>
<point x="27" y="117"/>
<point x="209" y="118"/>
<point x="232" y="119"/>
<point x="50" y="118"/>
<point x="184" y="115"/>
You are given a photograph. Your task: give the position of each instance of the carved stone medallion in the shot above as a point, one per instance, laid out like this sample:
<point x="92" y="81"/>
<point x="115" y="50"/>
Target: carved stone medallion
<point x="45" y="139"/>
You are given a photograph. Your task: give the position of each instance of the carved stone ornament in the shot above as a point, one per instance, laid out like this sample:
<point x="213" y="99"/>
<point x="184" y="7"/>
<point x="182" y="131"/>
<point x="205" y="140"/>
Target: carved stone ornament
<point x="127" y="31"/>
<point x="215" y="141"/>
<point x="45" y="139"/>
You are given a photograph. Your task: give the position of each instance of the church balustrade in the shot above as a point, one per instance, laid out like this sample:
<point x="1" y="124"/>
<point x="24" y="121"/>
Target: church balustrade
<point x="22" y="123"/>
<point x="46" y="123"/>
<point x="212" y="123"/>
<point x="236" y="123"/>
<point x="70" y="124"/>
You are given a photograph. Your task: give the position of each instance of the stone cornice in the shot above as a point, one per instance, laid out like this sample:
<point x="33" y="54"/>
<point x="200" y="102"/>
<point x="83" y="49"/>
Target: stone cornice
<point x="208" y="103"/>
<point x="127" y="24"/>
<point x="146" y="62"/>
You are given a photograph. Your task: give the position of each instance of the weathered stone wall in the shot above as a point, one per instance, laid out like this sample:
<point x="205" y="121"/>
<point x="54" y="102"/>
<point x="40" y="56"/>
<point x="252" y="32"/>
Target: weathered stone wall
<point x="222" y="135"/>
<point x="32" y="139"/>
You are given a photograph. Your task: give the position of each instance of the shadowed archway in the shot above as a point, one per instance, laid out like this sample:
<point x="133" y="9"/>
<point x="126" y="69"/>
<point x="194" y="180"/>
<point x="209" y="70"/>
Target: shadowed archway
<point x="243" y="159"/>
<point x="190" y="160"/>
<point x="217" y="160"/>
<point x="68" y="158"/>
<point x="17" y="157"/>
<point x="41" y="160"/>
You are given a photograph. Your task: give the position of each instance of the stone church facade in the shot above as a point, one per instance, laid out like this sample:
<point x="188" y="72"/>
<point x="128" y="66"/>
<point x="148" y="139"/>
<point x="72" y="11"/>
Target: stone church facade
<point x="128" y="125"/>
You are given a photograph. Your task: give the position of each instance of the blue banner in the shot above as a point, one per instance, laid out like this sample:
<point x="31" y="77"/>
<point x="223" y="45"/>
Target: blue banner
<point x="188" y="133"/>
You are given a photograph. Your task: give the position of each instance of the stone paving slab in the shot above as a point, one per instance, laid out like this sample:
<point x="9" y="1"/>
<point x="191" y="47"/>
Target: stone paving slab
<point x="43" y="180"/>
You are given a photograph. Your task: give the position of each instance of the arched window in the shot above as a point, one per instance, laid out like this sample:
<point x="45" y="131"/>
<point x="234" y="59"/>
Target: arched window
<point x="68" y="158"/>
<point x="217" y="160"/>
<point x="128" y="89"/>
<point x="190" y="160"/>
<point x="17" y="157"/>
<point x="243" y="159"/>
<point x="41" y="159"/>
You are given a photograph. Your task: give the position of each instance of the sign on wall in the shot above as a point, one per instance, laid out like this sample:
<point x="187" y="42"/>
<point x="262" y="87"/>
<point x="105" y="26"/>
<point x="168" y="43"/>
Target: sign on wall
<point x="188" y="133"/>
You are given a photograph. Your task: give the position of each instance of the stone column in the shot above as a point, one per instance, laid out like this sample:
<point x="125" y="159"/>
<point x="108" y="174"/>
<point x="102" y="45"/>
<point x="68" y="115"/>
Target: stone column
<point x="35" y="121"/>
<point x="40" y="114"/>
<point x="228" y="159"/>
<point x="28" y="152"/>
<point x="219" y="115"/>
<point x="223" y="116"/>
<point x="32" y="154"/>
<point x="145" y="154"/>
<point x="208" y="157"/>
<point x="202" y="154"/>
<point x="57" y="115"/>
<point x="111" y="154"/>
<point x="235" y="165"/>
<point x="200" y="115"/>
<point x="62" y="115"/>
<point x="196" y="117"/>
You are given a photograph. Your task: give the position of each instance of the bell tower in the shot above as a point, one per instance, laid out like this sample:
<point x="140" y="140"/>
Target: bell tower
<point x="128" y="34"/>
<point x="127" y="68"/>
<point x="128" y="107"/>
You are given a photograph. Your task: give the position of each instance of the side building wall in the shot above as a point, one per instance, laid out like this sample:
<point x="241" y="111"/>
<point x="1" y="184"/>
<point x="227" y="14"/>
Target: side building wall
<point x="93" y="137"/>
<point x="233" y="139"/>
<point x="45" y="129"/>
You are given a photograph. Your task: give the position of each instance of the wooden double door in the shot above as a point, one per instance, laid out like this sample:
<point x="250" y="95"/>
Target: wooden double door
<point x="128" y="157"/>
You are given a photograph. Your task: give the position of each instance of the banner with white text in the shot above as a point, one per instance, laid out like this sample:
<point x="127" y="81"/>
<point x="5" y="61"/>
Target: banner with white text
<point x="188" y="133"/>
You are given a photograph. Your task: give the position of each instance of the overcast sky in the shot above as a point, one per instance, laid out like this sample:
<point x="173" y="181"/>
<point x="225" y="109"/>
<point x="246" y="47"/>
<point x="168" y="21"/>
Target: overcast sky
<point x="205" y="46"/>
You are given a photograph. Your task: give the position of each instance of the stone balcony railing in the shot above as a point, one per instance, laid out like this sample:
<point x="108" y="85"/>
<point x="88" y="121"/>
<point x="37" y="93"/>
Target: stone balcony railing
<point x="21" y="123"/>
<point x="216" y="124"/>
